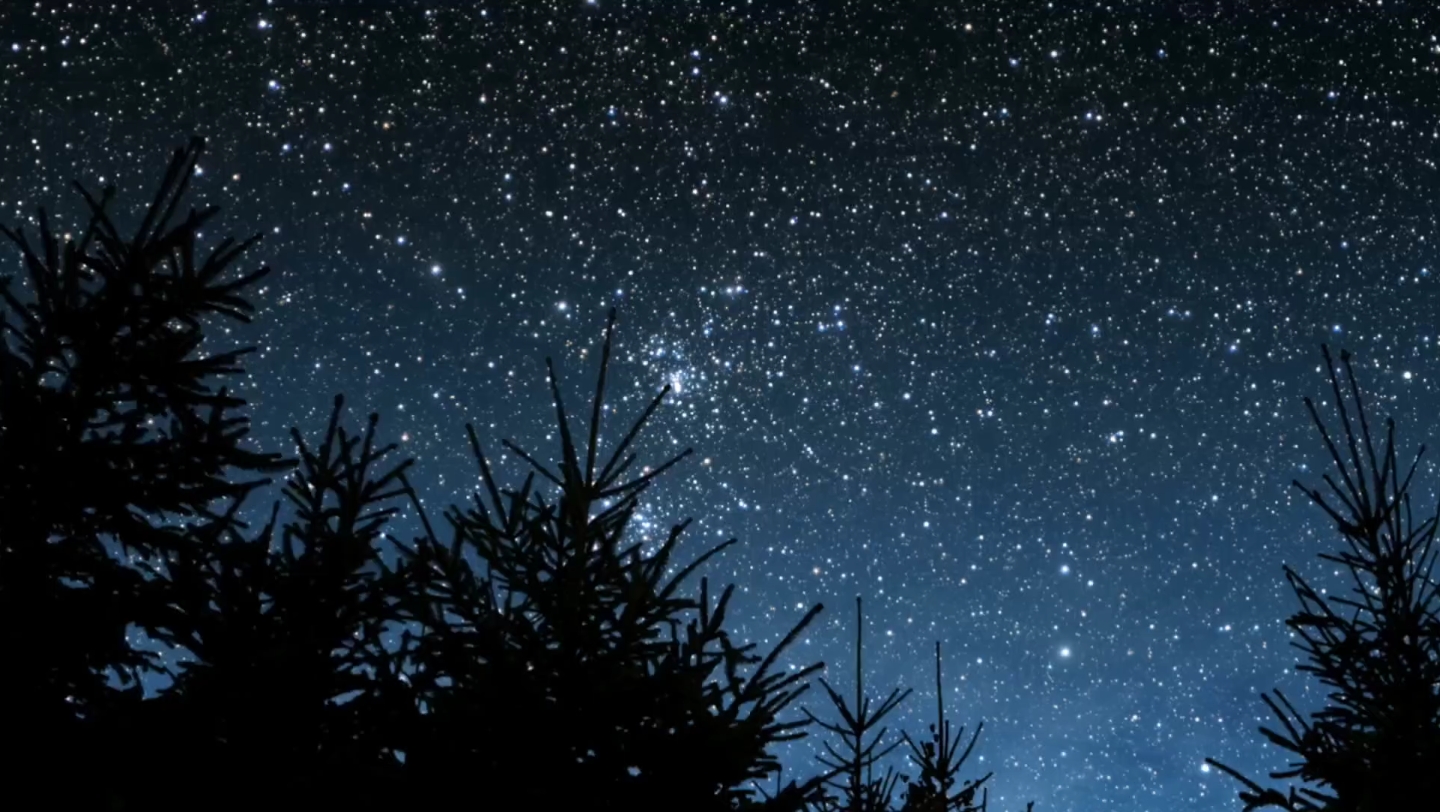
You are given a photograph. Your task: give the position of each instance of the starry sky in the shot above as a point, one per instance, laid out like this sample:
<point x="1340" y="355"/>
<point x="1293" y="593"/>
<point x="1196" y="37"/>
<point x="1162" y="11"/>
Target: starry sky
<point x="997" y="314"/>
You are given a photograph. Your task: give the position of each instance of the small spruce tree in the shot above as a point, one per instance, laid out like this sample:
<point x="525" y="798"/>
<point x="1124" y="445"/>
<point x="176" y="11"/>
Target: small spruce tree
<point x="851" y="777"/>
<point x="939" y="761"/>
<point x="281" y="697"/>
<point x="852" y="781"/>
<point x="1376" y="648"/>
<point x="557" y="655"/>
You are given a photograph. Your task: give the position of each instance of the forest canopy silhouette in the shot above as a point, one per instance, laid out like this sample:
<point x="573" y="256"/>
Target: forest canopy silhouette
<point x="523" y="645"/>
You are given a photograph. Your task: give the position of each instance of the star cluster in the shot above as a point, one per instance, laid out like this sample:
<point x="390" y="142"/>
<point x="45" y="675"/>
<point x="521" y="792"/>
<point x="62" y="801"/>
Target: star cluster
<point x="997" y="314"/>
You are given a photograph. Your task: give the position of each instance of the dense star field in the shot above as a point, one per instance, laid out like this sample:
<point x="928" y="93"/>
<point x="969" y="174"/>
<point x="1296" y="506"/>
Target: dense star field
<point x="995" y="314"/>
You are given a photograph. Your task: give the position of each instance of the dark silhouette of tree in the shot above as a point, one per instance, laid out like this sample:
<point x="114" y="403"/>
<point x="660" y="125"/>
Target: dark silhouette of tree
<point x="112" y="434"/>
<point x="539" y="649"/>
<point x="851" y="764"/>
<point x="853" y="781"/>
<point x="1375" y="745"/>
<point x="940" y="760"/>
<point x="285" y="635"/>
<point x="555" y="651"/>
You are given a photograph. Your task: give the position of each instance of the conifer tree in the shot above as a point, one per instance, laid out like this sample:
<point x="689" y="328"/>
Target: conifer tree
<point x="1376" y="647"/>
<point x="855" y="786"/>
<point x="853" y="782"/>
<point x="939" y="761"/>
<point x="282" y="696"/>
<point x="540" y="649"/>
<point x="556" y="654"/>
<point x="113" y="434"/>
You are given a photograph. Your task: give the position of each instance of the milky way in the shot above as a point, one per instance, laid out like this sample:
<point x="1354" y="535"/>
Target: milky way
<point x="995" y="314"/>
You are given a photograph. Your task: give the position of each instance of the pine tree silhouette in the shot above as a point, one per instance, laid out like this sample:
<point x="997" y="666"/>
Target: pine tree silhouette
<point x="852" y="781"/>
<point x="540" y="650"/>
<point x="1376" y="743"/>
<point x="940" y="760"/>
<point x="556" y="654"/>
<point x="112" y="435"/>
<point x="283" y="698"/>
<point x="852" y="764"/>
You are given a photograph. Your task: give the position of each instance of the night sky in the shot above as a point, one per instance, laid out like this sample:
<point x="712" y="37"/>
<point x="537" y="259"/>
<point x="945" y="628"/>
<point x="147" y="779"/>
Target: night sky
<point x="996" y="314"/>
